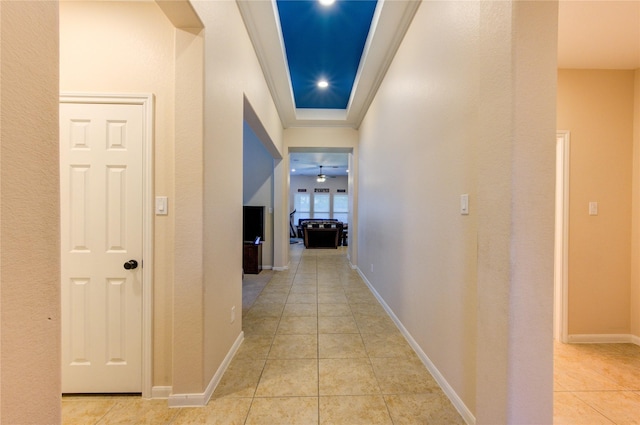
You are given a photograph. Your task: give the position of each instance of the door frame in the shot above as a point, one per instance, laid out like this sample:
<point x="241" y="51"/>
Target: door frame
<point x="147" y="103"/>
<point x="561" y="254"/>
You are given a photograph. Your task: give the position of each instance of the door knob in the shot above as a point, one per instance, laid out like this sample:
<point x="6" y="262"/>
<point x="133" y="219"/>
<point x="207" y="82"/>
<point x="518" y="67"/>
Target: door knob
<point x="131" y="264"/>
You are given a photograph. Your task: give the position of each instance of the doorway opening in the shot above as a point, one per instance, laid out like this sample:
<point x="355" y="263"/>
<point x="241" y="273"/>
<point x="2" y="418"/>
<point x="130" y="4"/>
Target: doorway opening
<point x="561" y="243"/>
<point x="321" y="189"/>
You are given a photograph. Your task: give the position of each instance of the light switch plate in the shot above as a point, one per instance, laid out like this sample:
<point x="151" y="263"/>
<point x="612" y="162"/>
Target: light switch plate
<point x="464" y="204"/>
<point x="161" y="205"/>
<point x="593" y="208"/>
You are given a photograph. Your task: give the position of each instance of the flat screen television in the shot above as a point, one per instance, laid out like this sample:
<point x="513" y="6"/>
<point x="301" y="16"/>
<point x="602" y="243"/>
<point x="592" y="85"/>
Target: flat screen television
<point x="252" y="223"/>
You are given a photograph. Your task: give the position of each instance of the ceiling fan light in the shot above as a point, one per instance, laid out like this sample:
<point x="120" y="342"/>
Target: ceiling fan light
<point x="321" y="179"/>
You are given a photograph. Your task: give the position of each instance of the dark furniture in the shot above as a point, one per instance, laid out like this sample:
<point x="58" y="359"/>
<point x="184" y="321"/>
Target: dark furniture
<point x="321" y="234"/>
<point x="252" y="257"/>
<point x="345" y="234"/>
<point x="318" y="220"/>
<point x="252" y="222"/>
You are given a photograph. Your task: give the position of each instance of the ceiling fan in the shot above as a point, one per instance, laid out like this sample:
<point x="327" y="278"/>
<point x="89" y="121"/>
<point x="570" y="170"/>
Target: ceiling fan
<point x="323" y="177"/>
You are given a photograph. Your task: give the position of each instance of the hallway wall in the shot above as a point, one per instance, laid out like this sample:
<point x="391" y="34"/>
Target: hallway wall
<point x="417" y="157"/>
<point x="597" y="107"/>
<point x="29" y="214"/>
<point x="197" y="275"/>
<point x="128" y="47"/>
<point x="467" y="107"/>
<point x="232" y="73"/>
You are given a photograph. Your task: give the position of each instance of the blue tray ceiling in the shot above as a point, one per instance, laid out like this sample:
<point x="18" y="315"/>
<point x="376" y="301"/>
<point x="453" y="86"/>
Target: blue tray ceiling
<point x="324" y="42"/>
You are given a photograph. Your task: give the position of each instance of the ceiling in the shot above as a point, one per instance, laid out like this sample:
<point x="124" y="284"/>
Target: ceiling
<point x="389" y="23"/>
<point x="599" y="34"/>
<point x="324" y="42"/>
<point x="308" y="163"/>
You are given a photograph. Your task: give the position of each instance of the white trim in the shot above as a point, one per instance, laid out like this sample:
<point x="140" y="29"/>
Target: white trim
<point x="147" y="103"/>
<point x="267" y="267"/>
<point x="281" y="269"/>
<point x="353" y="266"/>
<point x="601" y="338"/>
<point x="457" y="402"/>
<point x="635" y="339"/>
<point x="561" y="290"/>
<point x="201" y="399"/>
<point x="161" y="392"/>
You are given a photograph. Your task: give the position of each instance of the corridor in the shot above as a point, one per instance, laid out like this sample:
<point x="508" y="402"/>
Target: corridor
<point x="318" y="349"/>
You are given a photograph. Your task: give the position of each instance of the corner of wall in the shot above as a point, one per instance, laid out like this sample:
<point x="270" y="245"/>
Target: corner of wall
<point x="635" y="211"/>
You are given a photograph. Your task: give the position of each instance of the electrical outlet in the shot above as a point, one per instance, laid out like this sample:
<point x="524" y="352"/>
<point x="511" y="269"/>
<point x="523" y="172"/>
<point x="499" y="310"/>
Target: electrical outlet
<point x="233" y="314"/>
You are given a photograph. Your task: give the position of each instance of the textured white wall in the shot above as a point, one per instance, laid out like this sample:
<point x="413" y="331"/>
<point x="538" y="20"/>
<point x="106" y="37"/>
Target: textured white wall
<point x="29" y="214"/>
<point x="417" y="156"/>
<point x="232" y="72"/>
<point x="185" y="339"/>
<point x="468" y="106"/>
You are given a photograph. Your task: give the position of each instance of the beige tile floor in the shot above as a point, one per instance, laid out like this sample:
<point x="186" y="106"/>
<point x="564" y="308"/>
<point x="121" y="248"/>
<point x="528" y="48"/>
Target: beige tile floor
<point x="596" y="384"/>
<point x="318" y="349"/>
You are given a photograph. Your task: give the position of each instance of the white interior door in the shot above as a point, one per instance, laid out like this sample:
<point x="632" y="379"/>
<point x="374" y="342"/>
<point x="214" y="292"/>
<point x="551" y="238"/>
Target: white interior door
<point x="101" y="176"/>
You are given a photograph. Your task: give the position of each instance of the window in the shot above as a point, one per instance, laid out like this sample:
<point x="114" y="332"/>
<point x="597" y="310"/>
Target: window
<point x="302" y="205"/>
<point x="321" y="205"/>
<point x="341" y="207"/>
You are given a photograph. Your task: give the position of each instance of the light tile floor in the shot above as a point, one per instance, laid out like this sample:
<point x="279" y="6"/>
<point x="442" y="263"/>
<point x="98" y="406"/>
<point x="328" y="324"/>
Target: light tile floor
<point x="318" y="349"/>
<point x="596" y="384"/>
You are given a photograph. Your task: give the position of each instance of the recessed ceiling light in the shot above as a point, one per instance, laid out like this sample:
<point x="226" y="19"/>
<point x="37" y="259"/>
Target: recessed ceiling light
<point x="323" y="84"/>
<point x="327" y="2"/>
<point x="293" y="170"/>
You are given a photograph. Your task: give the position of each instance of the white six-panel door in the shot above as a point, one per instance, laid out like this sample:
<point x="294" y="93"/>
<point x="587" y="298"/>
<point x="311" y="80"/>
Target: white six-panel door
<point x="101" y="185"/>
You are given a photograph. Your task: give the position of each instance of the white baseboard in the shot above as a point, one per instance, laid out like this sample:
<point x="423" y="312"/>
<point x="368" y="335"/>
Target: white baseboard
<point x="267" y="267"/>
<point x="353" y="266"/>
<point x="457" y="402"/>
<point x="280" y="269"/>
<point x="603" y="339"/>
<point x="201" y="399"/>
<point x="161" y="392"/>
